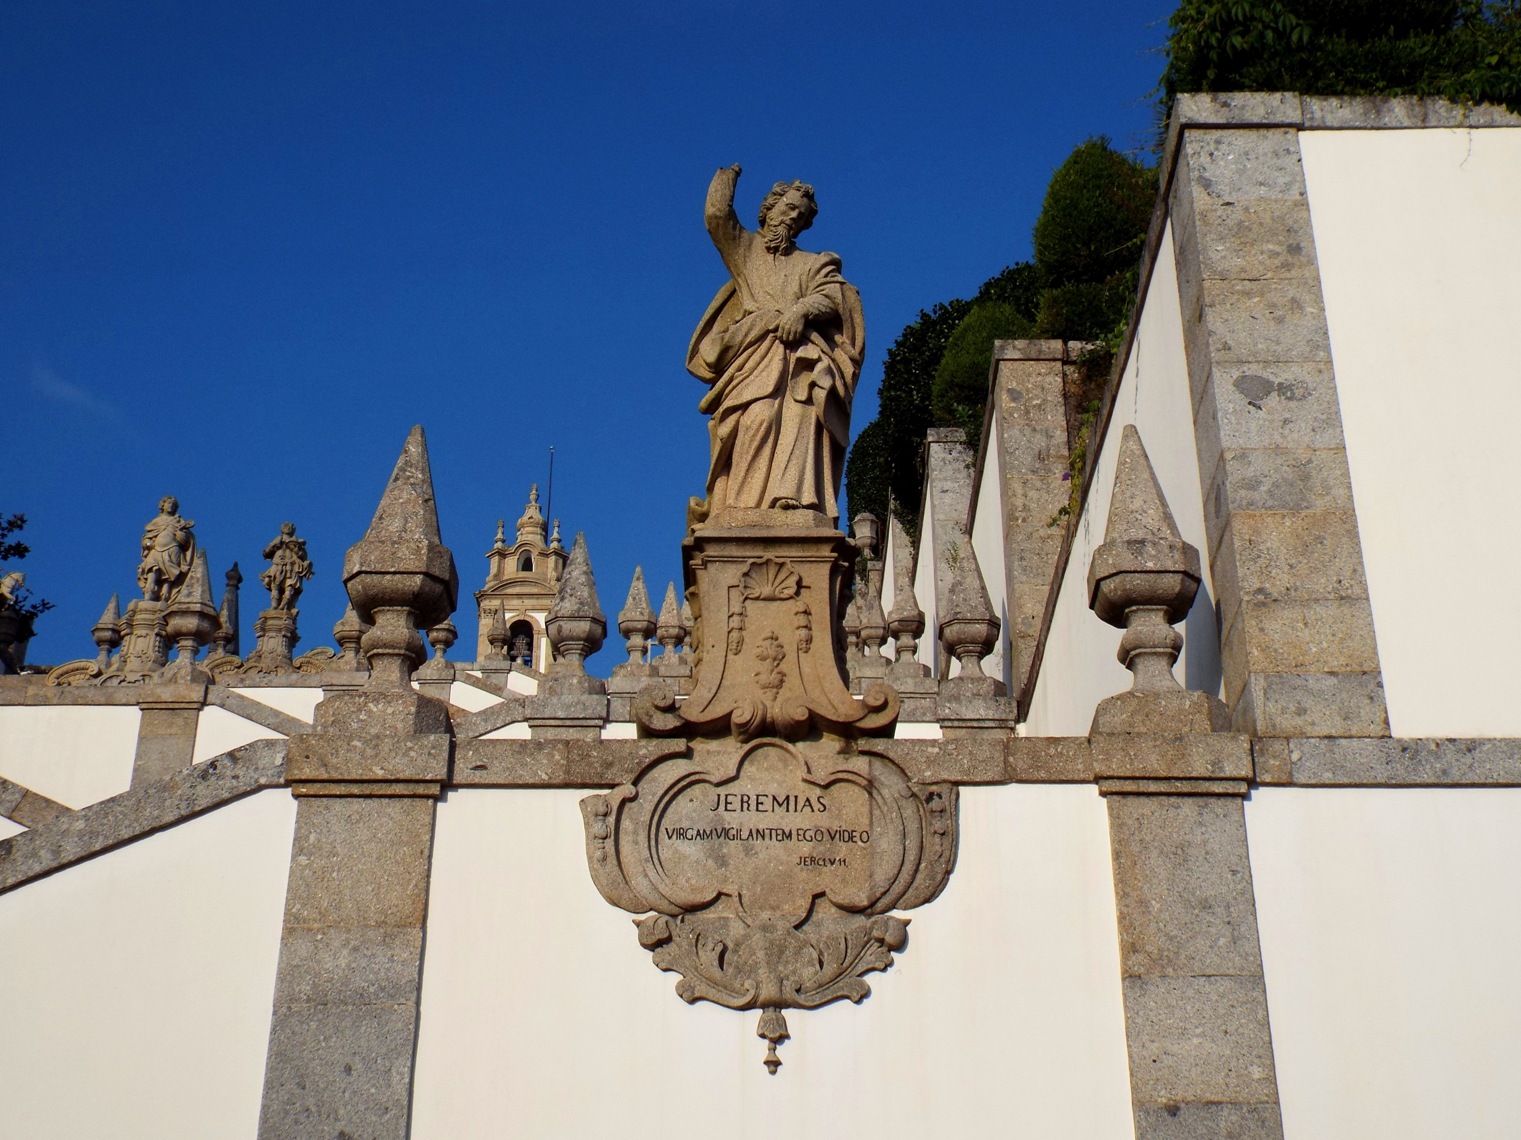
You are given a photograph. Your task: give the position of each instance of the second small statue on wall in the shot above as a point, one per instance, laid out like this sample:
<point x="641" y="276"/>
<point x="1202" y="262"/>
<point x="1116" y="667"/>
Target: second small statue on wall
<point x="289" y="569"/>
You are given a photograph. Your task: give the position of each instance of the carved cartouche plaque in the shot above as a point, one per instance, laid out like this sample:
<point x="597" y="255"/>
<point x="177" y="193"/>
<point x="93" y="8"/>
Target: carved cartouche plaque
<point x="767" y="870"/>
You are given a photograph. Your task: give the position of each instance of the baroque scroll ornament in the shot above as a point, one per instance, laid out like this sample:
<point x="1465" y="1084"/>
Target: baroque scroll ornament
<point x="767" y="872"/>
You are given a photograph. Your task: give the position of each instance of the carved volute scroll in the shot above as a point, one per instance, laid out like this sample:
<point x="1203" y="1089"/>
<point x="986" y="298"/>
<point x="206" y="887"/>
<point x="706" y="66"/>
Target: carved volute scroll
<point x="768" y="871"/>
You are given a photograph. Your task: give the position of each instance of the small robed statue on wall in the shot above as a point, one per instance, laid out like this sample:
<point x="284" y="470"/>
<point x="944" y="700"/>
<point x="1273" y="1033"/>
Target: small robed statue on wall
<point x="781" y="345"/>
<point x="168" y="550"/>
<point x="289" y="569"/>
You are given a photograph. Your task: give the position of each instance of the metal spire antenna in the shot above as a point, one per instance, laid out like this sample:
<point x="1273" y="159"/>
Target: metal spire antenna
<point x="549" y="497"/>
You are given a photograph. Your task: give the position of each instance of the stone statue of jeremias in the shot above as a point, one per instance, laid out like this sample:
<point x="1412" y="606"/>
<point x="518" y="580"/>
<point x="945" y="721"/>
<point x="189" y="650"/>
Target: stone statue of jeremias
<point x="781" y="346"/>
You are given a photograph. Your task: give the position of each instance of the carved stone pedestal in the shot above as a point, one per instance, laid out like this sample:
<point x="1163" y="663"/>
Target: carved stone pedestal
<point x="145" y="649"/>
<point x="771" y="869"/>
<point x="277" y="638"/>
<point x="766" y="602"/>
<point x="771" y="844"/>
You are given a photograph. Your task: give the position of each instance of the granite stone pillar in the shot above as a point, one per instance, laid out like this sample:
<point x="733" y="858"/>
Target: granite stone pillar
<point x="347" y="994"/>
<point x="1297" y="641"/>
<point x="166" y="733"/>
<point x="1196" y="1018"/>
<point x="343" y="1034"/>
<point x="1031" y="437"/>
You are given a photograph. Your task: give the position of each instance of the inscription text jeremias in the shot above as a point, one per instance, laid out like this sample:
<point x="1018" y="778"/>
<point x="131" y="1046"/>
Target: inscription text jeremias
<point x="768" y="802"/>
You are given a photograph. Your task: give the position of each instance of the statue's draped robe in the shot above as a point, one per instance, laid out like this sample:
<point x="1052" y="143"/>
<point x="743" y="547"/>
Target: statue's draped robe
<point x="168" y="549"/>
<point x="780" y="413"/>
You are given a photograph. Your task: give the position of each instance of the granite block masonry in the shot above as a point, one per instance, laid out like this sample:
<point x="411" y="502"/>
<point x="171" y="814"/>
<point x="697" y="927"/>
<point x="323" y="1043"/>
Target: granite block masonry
<point x="343" y="1035"/>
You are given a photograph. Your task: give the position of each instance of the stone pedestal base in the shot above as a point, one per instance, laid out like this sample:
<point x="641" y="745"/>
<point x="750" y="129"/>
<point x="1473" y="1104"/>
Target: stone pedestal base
<point x="1180" y="710"/>
<point x="277" y="638"/>
<point x="767" y="601"/>
<point x="145" y="649"/>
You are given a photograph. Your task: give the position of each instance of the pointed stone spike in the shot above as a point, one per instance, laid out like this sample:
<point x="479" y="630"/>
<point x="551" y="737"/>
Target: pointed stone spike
<point x="407" y="510"/>
<point x="111" y="615"/>
<point x="577" y="597"/>
<point x="401" y="562"/>
<point x="1143" y="560"/>
<point x="196" y="590"/>
<point x="969" y="627"/>
<point x="575" y="628"/>
<point x="967" y="596"/>
<point x="668" y="628"/>
<point x="1138" y="508"/>
<point x="637" y="607"/>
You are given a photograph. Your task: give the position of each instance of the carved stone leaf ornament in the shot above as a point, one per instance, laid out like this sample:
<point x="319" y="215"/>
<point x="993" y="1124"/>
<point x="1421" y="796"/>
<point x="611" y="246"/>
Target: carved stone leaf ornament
<point x="771" y="869"/>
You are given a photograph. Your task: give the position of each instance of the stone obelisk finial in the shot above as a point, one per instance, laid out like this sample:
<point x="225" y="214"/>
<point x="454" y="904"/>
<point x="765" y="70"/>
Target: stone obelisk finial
<point x="636" y="622"/>
<point x="190" y="621"/>
<point x="400" y="576"/>
<point x="107" y="632"/>
<point x="575" y="626"/>
<point x="1143" y="579"/>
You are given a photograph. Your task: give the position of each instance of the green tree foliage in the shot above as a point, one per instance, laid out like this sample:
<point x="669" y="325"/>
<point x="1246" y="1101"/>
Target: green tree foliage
<point x="908" y="375"/>
<point x="1465" y="50"/>
<point x="1093" y="221"/>
<point x="867" y="473"/>
<point x="960" y="390"/>
<point x="12" y="549"/>
<point x="1079" y="287"/>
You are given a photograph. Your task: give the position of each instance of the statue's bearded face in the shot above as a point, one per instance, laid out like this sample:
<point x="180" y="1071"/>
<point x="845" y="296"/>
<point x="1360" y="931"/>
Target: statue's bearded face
<point x="787" y="218"/>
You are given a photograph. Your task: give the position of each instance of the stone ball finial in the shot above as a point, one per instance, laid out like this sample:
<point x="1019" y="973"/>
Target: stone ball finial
<point x="400" y="576"/>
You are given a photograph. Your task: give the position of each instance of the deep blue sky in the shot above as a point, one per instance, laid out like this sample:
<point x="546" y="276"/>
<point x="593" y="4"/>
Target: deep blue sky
<point x="247" y="246"/>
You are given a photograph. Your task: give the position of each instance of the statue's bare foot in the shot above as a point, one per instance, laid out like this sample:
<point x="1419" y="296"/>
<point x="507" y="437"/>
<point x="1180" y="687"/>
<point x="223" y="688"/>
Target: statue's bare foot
<point x="788" y="505"/>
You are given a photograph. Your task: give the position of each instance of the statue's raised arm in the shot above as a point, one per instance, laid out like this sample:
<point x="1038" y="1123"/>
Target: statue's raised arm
<point x="781" y="346"/>
<point x="718" y="212"/>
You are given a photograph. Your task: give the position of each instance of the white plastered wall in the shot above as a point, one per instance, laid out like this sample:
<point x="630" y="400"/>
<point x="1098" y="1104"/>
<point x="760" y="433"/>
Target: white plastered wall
<point x="1079" y="667"/>
<point x="137" y="987"/>
<point x="471" y="699"/>
<point x="988" y="544"/>
<point x="77" y="755"/>
<point x="299" y="703"/>
<point x="543" y="1017"/>
<point x="1418" y="235"/>
<point x="218" y="731"/>
<point x="1391" y="926"/>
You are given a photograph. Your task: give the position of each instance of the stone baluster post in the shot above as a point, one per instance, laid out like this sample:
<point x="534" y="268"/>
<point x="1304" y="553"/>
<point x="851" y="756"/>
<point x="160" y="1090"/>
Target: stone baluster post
<point x="344" y="1032"/>
<point x="570" y="702"/>
<point x="1196" y="1018"/>
<point x="107" y="632"/>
